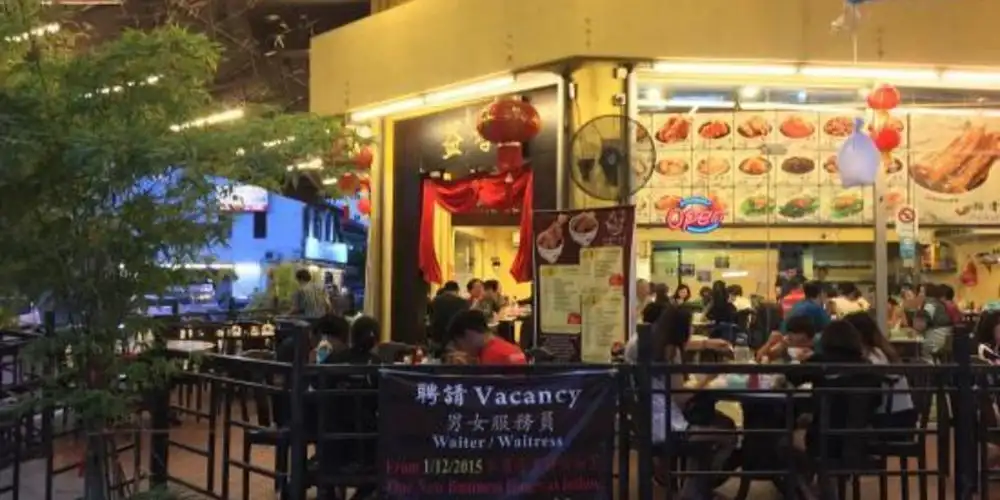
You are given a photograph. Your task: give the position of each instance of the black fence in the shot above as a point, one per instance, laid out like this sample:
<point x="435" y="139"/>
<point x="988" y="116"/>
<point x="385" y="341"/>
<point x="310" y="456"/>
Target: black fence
<point x="255" y="427"/>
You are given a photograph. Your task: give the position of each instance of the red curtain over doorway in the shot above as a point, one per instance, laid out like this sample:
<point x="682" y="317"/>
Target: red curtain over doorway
<point x="492" y="191"/>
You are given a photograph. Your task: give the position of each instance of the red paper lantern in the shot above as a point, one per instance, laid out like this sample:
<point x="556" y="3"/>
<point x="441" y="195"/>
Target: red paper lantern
<point x="884" y="97"/>
<point x="349" y="183"/>
<point x="887" y="139"/>
<point x="508" y="123"/>
<point x="365" y="206"/>
<point x="364" y="158"/>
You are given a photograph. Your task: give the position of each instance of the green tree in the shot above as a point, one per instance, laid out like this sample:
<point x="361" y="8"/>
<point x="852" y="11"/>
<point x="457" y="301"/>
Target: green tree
<point x="106" y="174"/>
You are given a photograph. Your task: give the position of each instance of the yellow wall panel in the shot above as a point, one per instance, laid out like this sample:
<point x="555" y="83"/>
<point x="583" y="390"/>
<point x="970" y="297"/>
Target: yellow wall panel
<point x="427" y="44"/>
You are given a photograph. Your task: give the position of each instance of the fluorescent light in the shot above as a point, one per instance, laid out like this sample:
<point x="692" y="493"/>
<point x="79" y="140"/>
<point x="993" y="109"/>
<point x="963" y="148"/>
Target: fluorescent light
<point x="782" y="106"/>
<point x="735" y="274"/>
<point x="750" y="92"/>
<point x="686" y="103"/>
<point x="387" y="109"/>
<point x="948" y="111"/>
<point x="893" y="74"/>
<point x="469" y="90"/>
<point x="970" y="76"/>
<point x="725" y="69"/>
<point x="47" y="29"/>
<point x="213" y="119"/>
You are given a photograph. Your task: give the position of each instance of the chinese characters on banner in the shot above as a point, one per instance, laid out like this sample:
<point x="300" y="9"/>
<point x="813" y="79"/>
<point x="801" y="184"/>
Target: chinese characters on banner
<point x="486" y="437"/>
<point x="582" y="276"/>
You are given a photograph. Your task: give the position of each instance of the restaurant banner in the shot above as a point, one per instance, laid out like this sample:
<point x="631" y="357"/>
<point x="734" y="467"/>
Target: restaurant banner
<point x="582" y="273"/>
<point x="491" y="437"/>
<point x="779" y="167"/>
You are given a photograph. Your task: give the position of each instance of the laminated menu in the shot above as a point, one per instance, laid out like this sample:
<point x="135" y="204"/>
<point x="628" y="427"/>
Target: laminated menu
<point x="582" y="272"/>
<point x="486" y="437"/>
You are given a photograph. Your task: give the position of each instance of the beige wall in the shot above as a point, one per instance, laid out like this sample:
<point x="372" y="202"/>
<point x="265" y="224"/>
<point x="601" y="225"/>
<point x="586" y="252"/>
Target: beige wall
<point x="988" y="287"/>
<point x="427" y="44"/>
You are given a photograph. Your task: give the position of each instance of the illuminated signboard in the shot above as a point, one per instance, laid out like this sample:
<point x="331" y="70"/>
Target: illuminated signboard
<point x="243" y="198"/>
<point x="695" y="214"/>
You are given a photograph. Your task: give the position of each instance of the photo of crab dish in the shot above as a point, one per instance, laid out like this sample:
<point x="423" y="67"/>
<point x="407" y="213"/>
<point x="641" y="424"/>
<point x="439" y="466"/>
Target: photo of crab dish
<point x="713" y="129"/>
<point x="675" y="129"/>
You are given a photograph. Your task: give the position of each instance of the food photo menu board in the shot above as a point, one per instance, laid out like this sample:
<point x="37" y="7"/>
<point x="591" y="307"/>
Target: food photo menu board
<point x="581" y="282"/>
<point x="486" y="437"/>
<point x="780" y="167"/>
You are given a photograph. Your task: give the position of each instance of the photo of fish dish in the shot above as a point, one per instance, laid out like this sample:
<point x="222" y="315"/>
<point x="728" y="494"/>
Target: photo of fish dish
<point x="960" y="167"/>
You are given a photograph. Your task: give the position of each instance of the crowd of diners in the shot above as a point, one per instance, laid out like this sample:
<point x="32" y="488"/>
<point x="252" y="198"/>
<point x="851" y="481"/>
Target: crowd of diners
<point x="816" y="323"/>
<point x="811" y="323"/>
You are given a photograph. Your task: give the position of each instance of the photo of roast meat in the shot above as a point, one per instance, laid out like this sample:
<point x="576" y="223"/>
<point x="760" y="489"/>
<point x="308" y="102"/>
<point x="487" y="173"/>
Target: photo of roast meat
<point x="961" y="166"/>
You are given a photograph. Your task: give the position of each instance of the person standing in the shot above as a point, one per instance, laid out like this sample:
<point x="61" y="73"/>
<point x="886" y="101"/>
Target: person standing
<point x="310" y="299"/>
<point x="446" y="304"/>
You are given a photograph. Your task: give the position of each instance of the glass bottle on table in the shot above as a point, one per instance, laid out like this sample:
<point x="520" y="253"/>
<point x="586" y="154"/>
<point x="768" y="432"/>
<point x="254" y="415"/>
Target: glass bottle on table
<point x="741" y="348"/>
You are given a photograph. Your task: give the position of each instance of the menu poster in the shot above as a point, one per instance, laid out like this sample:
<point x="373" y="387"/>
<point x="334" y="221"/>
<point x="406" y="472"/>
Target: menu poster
<point x="487" y="437"/>
<point x="952" y="160"/>
<point x="582" y="274"/>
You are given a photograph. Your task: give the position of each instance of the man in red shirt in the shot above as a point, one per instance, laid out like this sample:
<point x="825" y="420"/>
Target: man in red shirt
<point x="470" y="334"/>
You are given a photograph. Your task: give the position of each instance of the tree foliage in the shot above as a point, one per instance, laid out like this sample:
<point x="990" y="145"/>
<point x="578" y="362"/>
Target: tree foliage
<point x="104" y="179"/>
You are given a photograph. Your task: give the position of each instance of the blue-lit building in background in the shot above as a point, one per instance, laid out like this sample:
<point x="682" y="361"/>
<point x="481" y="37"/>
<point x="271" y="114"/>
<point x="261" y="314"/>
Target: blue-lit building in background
<point x="269" y="228"/>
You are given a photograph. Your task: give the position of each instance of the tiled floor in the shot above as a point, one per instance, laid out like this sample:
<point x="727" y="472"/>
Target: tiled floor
<point x="194" y="469"/>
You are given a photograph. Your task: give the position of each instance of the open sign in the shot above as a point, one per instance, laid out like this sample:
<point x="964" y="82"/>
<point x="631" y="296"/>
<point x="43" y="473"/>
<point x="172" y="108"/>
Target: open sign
<point x="695" y="214"/>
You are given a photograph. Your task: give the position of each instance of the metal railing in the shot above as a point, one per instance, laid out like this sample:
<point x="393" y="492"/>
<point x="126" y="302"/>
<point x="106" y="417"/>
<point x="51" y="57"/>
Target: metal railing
<point x="291" y="405"/>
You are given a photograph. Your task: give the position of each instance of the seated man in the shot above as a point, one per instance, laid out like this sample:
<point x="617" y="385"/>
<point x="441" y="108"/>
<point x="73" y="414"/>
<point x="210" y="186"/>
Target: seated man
<point x="800" y="337"/>
<point x="470" y="335"/>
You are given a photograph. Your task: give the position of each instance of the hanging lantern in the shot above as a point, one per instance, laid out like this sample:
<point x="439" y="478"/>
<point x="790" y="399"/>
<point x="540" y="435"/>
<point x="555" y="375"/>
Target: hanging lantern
<point x="349" y="183"/>
<point x="365" y="206"/>
<point x="883" y="97"/>
<point x="508" y="123"/>
<point x="364" y="158"/>
<point x="858" y="158"/>
<point x="887" y="139"/>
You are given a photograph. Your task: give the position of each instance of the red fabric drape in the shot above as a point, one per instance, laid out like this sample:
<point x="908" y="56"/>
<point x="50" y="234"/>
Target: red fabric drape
<point x="465" y="195"/>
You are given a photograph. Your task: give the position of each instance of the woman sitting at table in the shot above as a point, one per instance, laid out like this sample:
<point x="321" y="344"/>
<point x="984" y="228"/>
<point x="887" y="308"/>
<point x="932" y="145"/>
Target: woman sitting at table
<point x="709" y="452"/>
<point x="839" y="343"/>
<point x="896" y="411"/>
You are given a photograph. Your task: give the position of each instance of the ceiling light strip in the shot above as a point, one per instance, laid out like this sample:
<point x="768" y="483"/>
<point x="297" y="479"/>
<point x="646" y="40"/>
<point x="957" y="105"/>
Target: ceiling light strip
<point x="892" y="74"/>
<point x="469" y="91"/>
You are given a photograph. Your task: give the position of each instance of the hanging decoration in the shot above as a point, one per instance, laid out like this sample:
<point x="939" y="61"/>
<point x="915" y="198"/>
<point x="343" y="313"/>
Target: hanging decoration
<point x="508" y="123"/>
<point x="850" y="17"/>
<point x="365" y="206"/>
<point x="349" y="183"/>
<point x="491" y="191"/>
<point x="858" y="158"/>
<point x="882" y="99"/>
<point x="364" y="158"/>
